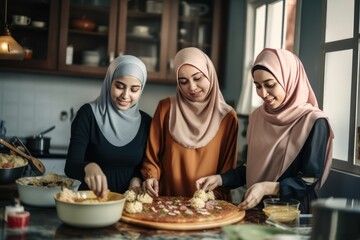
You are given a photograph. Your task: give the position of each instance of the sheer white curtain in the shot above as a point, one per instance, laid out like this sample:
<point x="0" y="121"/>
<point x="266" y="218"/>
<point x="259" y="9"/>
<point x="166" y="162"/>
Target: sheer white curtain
<point x="269" y="25"/>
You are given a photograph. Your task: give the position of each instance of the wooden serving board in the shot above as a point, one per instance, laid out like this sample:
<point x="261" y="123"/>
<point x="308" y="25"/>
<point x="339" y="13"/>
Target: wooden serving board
<point x="236" y="217"/>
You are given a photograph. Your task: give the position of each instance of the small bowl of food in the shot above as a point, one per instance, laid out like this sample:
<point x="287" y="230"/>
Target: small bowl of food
<point x="39" y="191"/>
<point x="281" y="210"/>
<point x="84" y="209"/>
<point x="12" y="167"/>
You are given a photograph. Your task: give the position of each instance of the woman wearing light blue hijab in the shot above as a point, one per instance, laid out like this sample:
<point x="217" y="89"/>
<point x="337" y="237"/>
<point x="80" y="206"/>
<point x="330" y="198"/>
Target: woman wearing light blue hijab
<point x="108" y="135"/>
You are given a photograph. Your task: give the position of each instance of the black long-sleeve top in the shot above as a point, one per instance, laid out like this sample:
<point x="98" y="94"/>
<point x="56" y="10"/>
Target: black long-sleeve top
<point x="309" y="163"/>
<point x="88" y="144"/>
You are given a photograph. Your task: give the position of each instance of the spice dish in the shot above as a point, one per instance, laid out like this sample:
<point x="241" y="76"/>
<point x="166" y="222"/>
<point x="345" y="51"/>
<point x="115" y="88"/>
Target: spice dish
<point x="281" y="210"/>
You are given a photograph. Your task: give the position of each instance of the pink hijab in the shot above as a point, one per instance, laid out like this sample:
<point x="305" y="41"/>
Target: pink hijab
<point x="195" y="124"/>
<point x="275" y="137"/>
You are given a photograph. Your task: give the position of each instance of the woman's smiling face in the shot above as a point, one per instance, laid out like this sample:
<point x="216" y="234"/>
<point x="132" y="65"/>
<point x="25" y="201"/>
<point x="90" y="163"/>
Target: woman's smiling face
<point x="125" y="92"/>
<point x="268" y="88"/>
<point x="193" y="83"/>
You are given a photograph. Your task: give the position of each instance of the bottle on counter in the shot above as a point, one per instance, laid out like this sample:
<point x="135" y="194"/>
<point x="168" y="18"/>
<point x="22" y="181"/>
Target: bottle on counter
<point x="69" y="54"/>
<point x="13" y="209"/>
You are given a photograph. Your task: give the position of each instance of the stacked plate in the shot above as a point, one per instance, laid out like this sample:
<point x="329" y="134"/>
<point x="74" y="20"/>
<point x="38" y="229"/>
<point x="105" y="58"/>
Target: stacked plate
<point x="91" y="58"/>
<point x="150" y="62"/>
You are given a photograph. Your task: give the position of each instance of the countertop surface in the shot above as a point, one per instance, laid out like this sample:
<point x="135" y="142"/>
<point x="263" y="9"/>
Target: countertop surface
<point x="45" y="224"/>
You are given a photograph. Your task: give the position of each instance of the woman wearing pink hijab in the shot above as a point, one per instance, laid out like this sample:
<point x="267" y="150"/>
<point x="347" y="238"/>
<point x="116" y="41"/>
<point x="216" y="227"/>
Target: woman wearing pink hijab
<point x="193" y="133"/>
<point x="289" y="138"/>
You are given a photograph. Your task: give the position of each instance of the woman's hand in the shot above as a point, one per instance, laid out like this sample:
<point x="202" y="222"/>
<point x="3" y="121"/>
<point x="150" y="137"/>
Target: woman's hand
<point x="256" y="192"/>
<point x="151" y="185"/>
<point x="96" y="179"/>
<point x="135" y="185"/>
<point x="209" y="182"/>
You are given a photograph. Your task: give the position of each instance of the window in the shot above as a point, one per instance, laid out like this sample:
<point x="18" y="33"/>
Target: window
<point x="269" y="24"/>
<point x="341" y="81"/>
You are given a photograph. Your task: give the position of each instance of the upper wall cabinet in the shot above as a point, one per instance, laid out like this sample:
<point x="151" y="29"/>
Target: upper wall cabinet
<point x="201" y="24"/>
<point x="146" y="27"/>
<point x="156" y="30"/>
<point x="92" y="33"/>
<point x="34" y="24"/>
<point x="88" y="30"/>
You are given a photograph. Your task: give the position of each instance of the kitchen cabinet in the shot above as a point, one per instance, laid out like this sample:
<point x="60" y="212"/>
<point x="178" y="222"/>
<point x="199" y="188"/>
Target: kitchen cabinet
<point x="147" y="32"/>
<point x="198" y="24"/>
<point x="41" y="40"/>
<point x="87" y="36"/>
<point x="172" y="25"/>
<point x="91" y="33"/>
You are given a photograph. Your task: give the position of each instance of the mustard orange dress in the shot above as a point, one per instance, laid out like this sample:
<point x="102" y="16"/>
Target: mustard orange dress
<point x="177" y="167"/>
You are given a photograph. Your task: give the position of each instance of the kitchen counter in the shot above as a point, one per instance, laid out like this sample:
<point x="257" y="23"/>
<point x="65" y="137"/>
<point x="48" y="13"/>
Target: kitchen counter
<point x="45" y="224"/>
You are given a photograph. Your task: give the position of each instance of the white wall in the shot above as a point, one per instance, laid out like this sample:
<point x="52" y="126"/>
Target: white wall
<point x="31" y="103"/>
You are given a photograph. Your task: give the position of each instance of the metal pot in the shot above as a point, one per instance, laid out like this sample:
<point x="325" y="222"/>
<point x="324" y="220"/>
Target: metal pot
<point x="39" y="143"/>
<point x="336" y="218"/>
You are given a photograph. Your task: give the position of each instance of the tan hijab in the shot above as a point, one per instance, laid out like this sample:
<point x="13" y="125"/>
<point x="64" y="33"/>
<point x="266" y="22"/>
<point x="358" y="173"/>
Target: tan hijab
<point x="194" y="124"/>
<point x="275" y="137"/>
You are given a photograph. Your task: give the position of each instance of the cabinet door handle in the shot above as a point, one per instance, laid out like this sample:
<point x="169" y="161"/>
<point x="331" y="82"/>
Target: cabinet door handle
<point x="171" y="64"/>
<point x="111" y="56"/>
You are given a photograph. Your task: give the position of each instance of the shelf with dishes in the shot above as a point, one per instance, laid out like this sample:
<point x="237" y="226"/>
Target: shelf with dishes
<point x="144" y="38"/>
<point x="183" y="44"/>
<point x="27" y="27"/>
<point x="148" y="29"/>
<point x="81" y="32"/>
<point x="89" y="18"/>
<point x="81" y="7"/>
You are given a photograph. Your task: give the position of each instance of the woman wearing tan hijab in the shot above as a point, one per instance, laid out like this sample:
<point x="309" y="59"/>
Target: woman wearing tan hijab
<point x="192" y="134"/>
<point x="289" y="138"/>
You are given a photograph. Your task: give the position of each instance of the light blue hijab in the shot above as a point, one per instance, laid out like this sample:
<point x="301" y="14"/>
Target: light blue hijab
<point x="119" y="126"/>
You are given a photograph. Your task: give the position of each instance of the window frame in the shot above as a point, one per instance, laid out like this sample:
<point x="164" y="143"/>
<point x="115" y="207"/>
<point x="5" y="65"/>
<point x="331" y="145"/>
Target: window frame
<point x="250" y="51"/>
<point x="353" y="44"/>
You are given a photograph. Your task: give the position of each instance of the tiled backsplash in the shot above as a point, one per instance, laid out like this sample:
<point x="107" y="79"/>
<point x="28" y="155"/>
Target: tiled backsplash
<point x="31" y="103"/>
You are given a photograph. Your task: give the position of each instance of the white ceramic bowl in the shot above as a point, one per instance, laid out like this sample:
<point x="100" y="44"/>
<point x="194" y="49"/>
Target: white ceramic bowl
<point x="102" y="28"/>
<point x="91" y="58"/>
<point x="40" y="196"/>
<point x="87" y="215"/>
<point x="141" y="30"/>
<point x="150" y="62"/>
<point x="90" y="53"/>
<point x="39" y="24"/>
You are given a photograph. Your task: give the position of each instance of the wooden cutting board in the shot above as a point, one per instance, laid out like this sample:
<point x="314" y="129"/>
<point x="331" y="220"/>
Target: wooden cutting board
<point x="236" y="217"/>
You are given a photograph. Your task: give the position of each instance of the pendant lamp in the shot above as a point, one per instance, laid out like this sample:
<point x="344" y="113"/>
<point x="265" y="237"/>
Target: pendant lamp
<point x="9" y="48"/>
